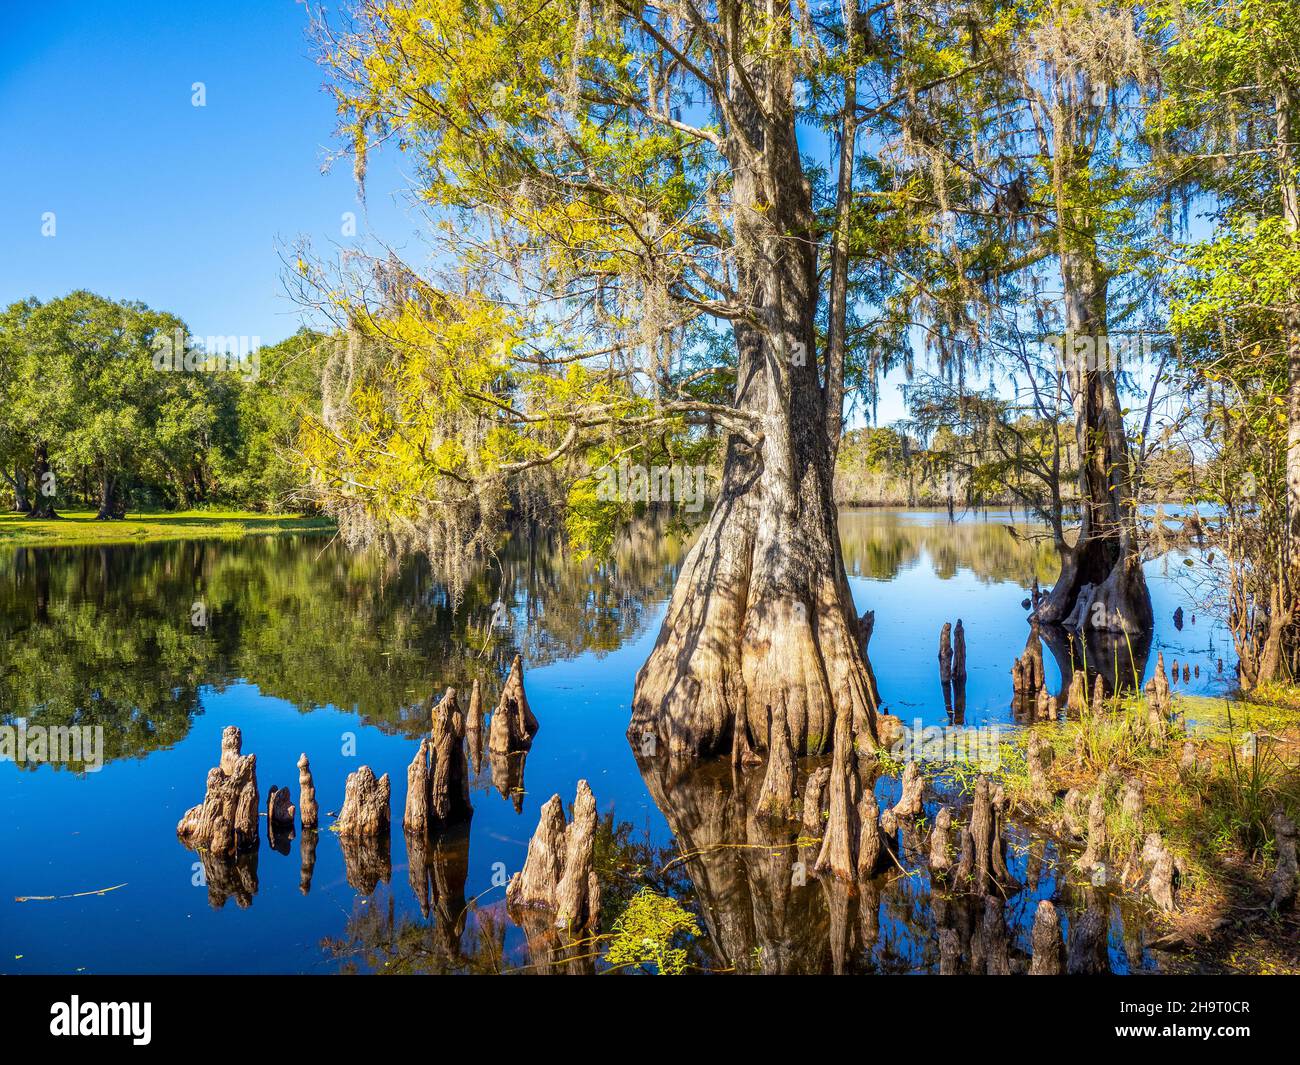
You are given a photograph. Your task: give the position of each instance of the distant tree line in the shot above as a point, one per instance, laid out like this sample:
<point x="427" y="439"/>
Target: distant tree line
<point x="108" y="404"/>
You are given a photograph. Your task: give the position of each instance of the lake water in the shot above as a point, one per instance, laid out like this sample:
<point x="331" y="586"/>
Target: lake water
<point x="309" y="648"/>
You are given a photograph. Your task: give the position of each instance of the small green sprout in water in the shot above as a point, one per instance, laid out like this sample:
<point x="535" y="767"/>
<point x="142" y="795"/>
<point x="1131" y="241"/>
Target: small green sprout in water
<point x="648" y="931"/>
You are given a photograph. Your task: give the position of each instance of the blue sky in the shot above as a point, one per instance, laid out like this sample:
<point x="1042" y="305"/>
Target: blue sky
<point x="185" y="208"/>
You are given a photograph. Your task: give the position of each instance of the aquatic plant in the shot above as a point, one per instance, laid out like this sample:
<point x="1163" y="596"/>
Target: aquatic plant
<point x="649" y="933"/>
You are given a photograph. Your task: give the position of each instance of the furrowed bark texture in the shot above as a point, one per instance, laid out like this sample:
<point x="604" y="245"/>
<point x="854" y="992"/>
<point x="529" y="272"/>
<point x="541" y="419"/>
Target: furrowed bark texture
<point x="559" y="873"/>
<point x="762" y="616"/>
<point x="226" y="822"/>
<point x="365" y="812"/>
<point x="1101" y="585"/>
<point x="513" y="724"/>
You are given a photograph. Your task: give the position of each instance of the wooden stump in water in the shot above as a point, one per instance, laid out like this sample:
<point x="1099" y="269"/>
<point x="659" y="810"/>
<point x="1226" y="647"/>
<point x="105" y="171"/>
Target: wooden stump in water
<point x="997" y="957"/>
<point x="874" y="845"/>
<point x="1098" y="696"/>
<point x="366" y="861"/>
<point x="949" y="952"/>
<point x="437" y="780"/>
<point x="230" y="876"/>
<point x="1039" y="758"/>
<point x="307" y="809"/>
<point x="365" y="812"/>
<point x="559" y="873"/>
<point x="449" y="771"/>
<point x="814" y="796"/>
<point x="1045" y="942"/>
<point x="1027" y="677"/>
<point x="226" y="822"/>
<point x="1159" y="704"/>
<point x="959" y="652"/>
<point x="1077" y="698"/>
<point x="945" y="654"/>
<point x="307" y="849"/>
<point x="1160" y="682"/>
<point x="965" y="859"/>
<point x="507" y="769"/>
<point x="416" y="818"/>
<point x="941" y="845"/>
<point x="474" y="727"/>
<point x="1095" y="853"/>
<point x="986" y="858"/>
<point x="280" y="811"/>
<point x="911" y="801"/>
<point x="779" y="787"/>
<point x="513" y="723"/>
<point x="1074" y="813"/>
<point x="1085" y="953"/>
<point x="839" y="842"/>
<point x="280" y="814"/>
<point x="1133" y="799"/>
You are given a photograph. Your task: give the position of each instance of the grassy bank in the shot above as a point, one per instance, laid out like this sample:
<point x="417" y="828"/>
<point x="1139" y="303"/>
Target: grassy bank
<point x="80" y="527"/>
<point x="1210" y="787"/>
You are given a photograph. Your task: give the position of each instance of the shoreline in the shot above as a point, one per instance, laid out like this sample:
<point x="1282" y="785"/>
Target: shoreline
<point x="78" y="528"/>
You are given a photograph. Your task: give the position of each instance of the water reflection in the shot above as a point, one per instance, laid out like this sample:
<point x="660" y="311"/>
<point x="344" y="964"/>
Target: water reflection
<point x="303" y="645"/>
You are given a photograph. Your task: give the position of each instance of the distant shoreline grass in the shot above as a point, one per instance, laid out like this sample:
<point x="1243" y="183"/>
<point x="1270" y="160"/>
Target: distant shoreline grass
<point x="79" y="527"/>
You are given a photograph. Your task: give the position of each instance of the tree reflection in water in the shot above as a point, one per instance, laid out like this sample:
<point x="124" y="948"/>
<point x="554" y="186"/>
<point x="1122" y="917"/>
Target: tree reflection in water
<point x="104" y="636"/>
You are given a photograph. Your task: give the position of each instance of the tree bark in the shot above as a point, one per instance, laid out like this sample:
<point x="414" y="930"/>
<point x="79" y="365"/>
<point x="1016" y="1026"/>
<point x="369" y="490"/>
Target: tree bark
<point x="42" y="504"/>
<point x="762" y="616"/>
<point x="22" y="504"/>
<point x="110" y="509"/>
<point x="1101" y="585"/>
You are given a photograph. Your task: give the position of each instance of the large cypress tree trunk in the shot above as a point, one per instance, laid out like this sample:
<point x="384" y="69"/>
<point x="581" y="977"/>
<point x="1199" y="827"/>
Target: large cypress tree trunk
<point x="1101" y="585"/>
<point x="761" y="621"/>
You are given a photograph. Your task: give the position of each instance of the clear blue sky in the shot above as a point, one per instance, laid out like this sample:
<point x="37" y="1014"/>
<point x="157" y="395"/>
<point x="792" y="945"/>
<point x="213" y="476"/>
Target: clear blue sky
<point x="183" y="207"/>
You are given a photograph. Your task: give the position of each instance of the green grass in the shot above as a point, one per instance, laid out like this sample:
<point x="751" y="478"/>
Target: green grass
<point x="80" y="527"/>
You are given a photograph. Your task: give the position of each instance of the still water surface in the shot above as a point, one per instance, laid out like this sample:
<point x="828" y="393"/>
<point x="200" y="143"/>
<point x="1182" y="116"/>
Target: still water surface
<point x="309" y="648"/>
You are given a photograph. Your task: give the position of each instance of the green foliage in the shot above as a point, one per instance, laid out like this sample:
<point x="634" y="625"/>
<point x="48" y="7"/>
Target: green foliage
<point x="649" y="933"/>
<point x="89" y="382"/>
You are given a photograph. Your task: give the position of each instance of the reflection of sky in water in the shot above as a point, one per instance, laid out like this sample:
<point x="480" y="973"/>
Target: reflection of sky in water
<point x="65" y="834"/>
